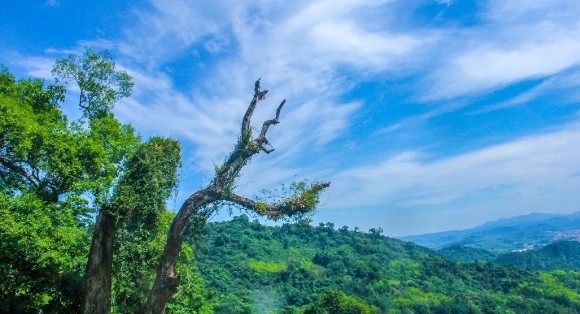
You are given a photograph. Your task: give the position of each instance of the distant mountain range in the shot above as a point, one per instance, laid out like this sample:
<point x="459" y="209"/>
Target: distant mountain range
<point x="519" y="233"/>
<point x="563" y="255"/>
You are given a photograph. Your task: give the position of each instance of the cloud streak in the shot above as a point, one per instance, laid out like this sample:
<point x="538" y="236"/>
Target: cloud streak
<point x="517" y="41"/>
<point x="530" y="166"/>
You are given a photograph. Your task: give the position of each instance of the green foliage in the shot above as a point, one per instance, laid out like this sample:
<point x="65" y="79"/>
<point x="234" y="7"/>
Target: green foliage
<point x="136" y="259"/>
<point x="50" y="167"/>
<point x="100" y="85"/>
<point x="43" y="238"/>
<point x="148" y="180"/>
<point x="37" y="147"/>
<point x="466" y="254"/>
<point x="43" y="256"/>
<point x="193" y="296"/>
<point x="267" y="267"/>
<point x="558" y="255"/>
<point x="391" y="275"/>
<point x="295" y="201"/>
<point x="336" y="302"/>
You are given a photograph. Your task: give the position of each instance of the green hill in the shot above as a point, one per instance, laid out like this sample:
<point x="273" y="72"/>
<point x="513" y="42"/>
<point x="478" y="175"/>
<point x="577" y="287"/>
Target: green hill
<point x="558" y="255"/>
<point x="252" y="268"/>
<point x="466" y="254"/>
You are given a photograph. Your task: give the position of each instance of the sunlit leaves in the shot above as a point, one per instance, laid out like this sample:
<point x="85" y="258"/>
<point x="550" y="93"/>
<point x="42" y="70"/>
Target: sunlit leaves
<point x="149" y="179"/>
<point x="99" y="84"/>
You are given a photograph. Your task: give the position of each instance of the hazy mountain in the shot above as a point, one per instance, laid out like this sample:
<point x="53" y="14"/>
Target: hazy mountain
<point x="505" y="235"/>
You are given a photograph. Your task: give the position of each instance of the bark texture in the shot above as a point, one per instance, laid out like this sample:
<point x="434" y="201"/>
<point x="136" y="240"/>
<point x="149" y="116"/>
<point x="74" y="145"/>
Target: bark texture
<point x="97" y="294"/>
<point x="167" y="280"/>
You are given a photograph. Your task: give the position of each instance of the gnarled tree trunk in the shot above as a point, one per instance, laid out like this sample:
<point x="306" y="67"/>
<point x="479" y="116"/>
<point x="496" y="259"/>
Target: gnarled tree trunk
<point x="167" y="281"/>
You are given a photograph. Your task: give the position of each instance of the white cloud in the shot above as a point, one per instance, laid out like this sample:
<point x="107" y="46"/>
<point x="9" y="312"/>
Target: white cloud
<point x="313" y="53"/>
<point x="297" y="48"/>
<point x="526" y="168"/>
<point x="37" y="66"/>
<point x="516" y="41"/>
<point x="492" y="66"/>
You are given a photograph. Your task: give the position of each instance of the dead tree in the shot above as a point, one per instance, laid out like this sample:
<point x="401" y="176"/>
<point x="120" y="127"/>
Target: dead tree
<point x="220" y="189"/>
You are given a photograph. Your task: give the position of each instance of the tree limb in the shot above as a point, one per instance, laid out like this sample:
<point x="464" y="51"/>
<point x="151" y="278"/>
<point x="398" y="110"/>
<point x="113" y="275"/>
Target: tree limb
<point x="198" y="205"/>
<point x="292" y="206"/>
<point x="12" y="166"/>
<point x="258" y="95"/>
<point x="261" y="139"/>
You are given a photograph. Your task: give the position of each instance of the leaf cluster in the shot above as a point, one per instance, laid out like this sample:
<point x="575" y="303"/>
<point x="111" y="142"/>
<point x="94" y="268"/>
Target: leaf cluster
<point x="100" y="85"/>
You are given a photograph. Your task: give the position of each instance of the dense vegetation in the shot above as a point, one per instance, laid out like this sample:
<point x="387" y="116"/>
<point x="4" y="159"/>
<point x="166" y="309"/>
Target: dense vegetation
<point x="558" y="255"/>
<point x="57" y="174"/>
<point x="91" y="193"/>
<point x="250" y="267"/>
<point x="466" y="254"/>
<point x="564" y="255"/>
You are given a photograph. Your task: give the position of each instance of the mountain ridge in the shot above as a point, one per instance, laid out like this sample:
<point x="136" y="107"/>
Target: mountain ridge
<point x="507" y="234"/>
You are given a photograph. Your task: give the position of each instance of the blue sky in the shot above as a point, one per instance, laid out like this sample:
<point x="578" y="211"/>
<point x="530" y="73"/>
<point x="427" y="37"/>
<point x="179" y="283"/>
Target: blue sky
<point x="424" y="115"/>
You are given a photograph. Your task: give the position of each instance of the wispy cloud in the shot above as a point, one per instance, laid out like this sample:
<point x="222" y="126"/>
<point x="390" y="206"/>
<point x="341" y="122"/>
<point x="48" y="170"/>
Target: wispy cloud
<point x="517" y="41"/>
<point x="535" y="165"/>
<point x="298" y="49"/>
<point x="301" y="51"/>
<point x="37" y="66"/>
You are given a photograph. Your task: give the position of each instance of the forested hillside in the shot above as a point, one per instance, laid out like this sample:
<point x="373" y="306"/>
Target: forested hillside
<point x="558" y="255"/>
<point x="466" y="254"/>
<point x="250" y="267"/>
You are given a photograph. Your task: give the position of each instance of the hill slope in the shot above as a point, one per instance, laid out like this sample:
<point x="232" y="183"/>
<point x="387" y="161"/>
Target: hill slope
<point x="462" y="253"/>
<point x="558" y="255"/>
<point x="251" y="268"/>
<point x="505" y="235"/>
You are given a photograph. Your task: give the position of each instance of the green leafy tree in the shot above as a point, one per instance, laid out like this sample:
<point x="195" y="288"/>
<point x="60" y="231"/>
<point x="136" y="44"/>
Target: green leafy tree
<point x="100" y="86"/>
<point x="138" y="177"/>
<point x="53" y="164"/>
<point x="61" y="174"/>
<point x="336" y="302"/>
<point x="42" y="237"/>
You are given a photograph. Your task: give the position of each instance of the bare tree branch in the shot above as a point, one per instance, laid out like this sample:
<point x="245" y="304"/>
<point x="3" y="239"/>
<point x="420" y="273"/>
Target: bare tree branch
<point x="261" y="139"/>
<point x="294" y="205"/>
<point x="258" y="95"/>
<point x="14" y="167"/>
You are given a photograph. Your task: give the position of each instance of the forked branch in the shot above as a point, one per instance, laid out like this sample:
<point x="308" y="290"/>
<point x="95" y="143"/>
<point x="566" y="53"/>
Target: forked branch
<point x="261" y="140"/>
